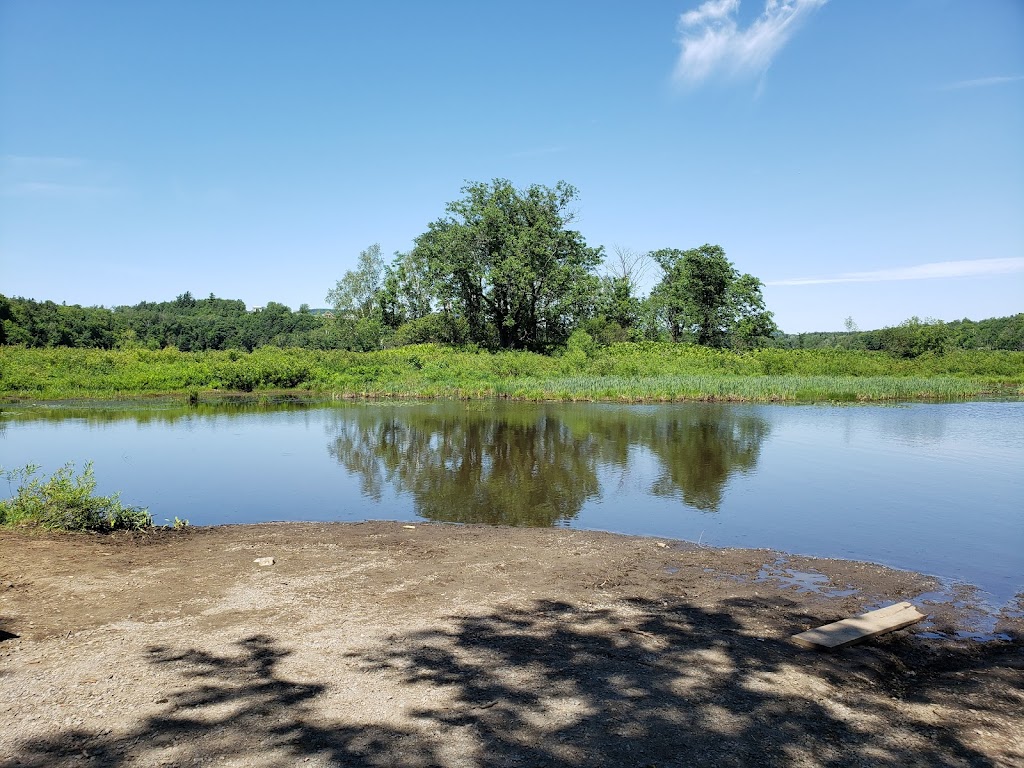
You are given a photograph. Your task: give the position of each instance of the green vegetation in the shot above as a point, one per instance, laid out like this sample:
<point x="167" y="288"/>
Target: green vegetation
<point x="705" y="298"/>
<point x="501" y="271"/>
<point x="186" y="323"/>
<point x="915" y="337"/>
<point x="499" y="298"/>
<point x="66" y="502"/>
<point x="505" y="262"/>
<point x="626" y="372"/>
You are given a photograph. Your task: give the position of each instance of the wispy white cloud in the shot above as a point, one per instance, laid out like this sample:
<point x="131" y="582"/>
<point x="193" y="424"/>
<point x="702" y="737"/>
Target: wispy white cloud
<point x="936" y="269"/>
<point x="54" y="189"/>
<point x="712" y="42"/>
<point x="982" y="82"/>
<point x="52" y="176"/>
<point x="40" y="161"/>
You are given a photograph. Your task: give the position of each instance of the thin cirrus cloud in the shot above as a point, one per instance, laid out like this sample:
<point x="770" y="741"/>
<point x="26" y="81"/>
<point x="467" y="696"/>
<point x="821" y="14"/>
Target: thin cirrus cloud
<point x="712" y="42"/>
<point x="36" y="162"/>
<point x="54" y="189"/>
<point x="982" y="82"/>
<point x="936" y="269"/>
<point x="50" y="176"/>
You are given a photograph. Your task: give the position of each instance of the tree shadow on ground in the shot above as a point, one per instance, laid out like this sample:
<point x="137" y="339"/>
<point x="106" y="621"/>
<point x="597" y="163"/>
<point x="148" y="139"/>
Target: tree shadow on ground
<point x="675" y="685"/>
<point x="232" y="706"/>
<point x="647" y="682"/>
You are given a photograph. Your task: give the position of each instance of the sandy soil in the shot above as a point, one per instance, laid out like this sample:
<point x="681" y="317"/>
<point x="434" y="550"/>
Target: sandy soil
<point x="380" y="644"/>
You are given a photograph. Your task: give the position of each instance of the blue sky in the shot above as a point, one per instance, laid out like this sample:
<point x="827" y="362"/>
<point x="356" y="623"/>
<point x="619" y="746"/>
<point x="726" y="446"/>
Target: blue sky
<point x="864" y="158"/>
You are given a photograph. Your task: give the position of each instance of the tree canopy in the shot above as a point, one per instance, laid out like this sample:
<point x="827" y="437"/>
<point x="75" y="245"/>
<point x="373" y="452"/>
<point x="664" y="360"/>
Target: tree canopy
<point x="706" y="300"/>
<point x="505" y="261"/>
<point x="356" y="294"/>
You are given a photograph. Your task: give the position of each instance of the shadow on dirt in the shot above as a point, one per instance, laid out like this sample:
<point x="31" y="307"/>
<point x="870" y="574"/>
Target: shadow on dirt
<point x="649" y="683"/>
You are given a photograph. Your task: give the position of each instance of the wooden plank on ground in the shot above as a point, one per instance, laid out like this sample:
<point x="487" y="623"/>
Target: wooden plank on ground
<point x="856" y="629"/>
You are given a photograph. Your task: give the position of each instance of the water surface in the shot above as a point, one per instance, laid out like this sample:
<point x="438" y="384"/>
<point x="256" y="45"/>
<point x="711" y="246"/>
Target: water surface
<point x="935" y="488"/>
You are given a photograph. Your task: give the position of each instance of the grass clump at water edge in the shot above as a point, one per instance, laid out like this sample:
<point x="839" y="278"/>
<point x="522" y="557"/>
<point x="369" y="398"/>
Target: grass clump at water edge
<point x="66" y="501"/>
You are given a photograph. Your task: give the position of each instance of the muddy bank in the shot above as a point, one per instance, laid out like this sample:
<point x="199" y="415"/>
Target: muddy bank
<point x="380" y="644"/>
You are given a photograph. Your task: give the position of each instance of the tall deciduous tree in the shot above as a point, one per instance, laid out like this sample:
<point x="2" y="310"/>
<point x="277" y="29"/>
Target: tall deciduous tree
<point x="355" y="294"/>
<point x="705" y="299"/>
<point x="619" y="300"/>
<point x="505" y="260"/>
<point x="750" y="322"/>
<point x="407" y="292"/>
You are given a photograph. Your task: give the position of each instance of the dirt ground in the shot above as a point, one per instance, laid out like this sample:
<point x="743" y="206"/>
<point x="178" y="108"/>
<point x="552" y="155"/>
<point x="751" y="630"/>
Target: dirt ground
<point x="379" y="644"/>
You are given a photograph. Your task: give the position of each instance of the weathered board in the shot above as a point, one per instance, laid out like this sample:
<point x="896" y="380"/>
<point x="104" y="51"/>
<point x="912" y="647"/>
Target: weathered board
<point x="856" y="629"/>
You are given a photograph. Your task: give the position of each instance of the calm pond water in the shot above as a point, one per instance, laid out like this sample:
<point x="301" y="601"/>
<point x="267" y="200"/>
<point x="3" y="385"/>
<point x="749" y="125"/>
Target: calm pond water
<point x="937" y="488"/>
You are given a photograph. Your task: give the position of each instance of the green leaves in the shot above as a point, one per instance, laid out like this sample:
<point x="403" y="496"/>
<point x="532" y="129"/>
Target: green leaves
<point x="66" y="501"/>
<point x="706" y="300"/>
<point x="505" y="261"/>
<point x="356" y="293"/>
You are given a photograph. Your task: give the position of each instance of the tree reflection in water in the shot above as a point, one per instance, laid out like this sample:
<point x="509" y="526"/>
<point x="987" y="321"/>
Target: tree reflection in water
<point x="699" y="450"/>
<point x="530" y="465"/>
<point x="469" y="466"/>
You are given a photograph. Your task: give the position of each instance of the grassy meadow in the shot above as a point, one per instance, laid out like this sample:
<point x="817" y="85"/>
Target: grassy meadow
<point x="655" y="372"/>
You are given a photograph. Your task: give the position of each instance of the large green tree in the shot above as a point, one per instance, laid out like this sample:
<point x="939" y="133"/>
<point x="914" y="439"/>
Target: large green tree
<point x="355" y="295"/>
<point x="407" y="293"/>
<point x="505" y="261"/>
<point x="358" y="303"/>
<point x="704" y="298"/>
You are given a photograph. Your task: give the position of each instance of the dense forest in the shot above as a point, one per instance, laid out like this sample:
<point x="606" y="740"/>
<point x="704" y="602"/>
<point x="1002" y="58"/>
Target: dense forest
<point x="501" y="270"/>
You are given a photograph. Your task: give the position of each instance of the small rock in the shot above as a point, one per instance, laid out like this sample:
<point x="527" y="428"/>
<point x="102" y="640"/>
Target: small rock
<point x="264" y="561"/>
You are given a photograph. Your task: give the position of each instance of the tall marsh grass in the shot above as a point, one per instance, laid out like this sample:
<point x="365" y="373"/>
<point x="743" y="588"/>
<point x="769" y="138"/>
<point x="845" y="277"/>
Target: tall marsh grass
<point x="621" y="372"/>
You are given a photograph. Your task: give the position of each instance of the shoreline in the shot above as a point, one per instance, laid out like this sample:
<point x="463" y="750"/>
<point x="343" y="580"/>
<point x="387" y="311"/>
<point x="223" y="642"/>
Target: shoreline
<point x="952" y="603"/>
<point x="214" y="398"/>
<point x="435" y="644"/>
<point x="377" y="643"/>
<point x="999" y="585"/>
<point x="982" y="392"/>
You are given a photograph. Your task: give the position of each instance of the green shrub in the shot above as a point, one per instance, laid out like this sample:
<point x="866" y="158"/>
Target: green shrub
<point x="436" y="328"/>
<point x="66" y="502"/>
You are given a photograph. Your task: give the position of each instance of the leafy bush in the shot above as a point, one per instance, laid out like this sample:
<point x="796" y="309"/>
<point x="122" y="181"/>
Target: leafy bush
<point x="66" y="502"/>
<point x="436" y="328"/>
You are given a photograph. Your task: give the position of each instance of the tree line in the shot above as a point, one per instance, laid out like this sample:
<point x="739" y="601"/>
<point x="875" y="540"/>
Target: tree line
<point x="915" y="337"/>
<point x="502" y="269"/>
<point x="187" y="323"/>
<point x="191" y="324"/>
